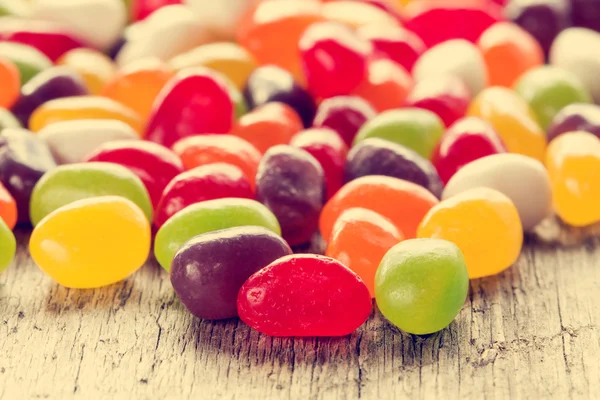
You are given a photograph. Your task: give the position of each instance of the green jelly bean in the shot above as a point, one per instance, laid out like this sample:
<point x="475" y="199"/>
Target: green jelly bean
<point x="8" y="246"/>
<point x="68" y="183"/>
<point x="8" y="120"/>
<point x="548" y="90"/>
<point x="421" y="285"/>
<point x="417" y="129"/>
<point x="29" y="60"/>
<point x="209" y="216"/>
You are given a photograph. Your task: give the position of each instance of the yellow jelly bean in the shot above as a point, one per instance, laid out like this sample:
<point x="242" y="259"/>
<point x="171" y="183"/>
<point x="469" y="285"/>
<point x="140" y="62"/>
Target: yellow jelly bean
<point x="94" y="67"/>
<point x="483" y="223"/>
<point x="92" y="242"/>
<point x="513" y="120"/>
<point x="83" y="107"/>
<point x="573" y="163"/>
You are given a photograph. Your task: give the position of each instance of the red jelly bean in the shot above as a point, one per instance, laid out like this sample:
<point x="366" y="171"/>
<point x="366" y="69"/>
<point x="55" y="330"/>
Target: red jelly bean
<point x="208" y="182"/>
<point x="396" y="43"/>
<point x="345" y="115"/>
<point x="141" y="9"/>
<point x="195" y="100"/>
<point x="304" y="295"/>
<point x="334" y="59"/>
<point x="445" y="95"/>
<point x="386" y="86"/>
<point x="329" y="150"/>
<point x="154" y="164"/>
<point x="467" y="140"/>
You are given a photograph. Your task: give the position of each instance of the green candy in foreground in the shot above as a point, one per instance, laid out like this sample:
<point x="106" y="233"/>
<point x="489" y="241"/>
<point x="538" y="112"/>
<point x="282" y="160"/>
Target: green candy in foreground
<point x="209" y="216"/>
<point x="29" y="60"/>
<point x="8" y="246"/>
<point x="421" y="285"/>
<point x="68" y="183"/>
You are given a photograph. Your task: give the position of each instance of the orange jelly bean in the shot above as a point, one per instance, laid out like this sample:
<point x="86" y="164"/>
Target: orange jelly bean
<point x="386" y="86"/>
<point x="137" y="85"/>
<point x="94" y="67"/>
<point x="509" y="51"/>
<point x="83" y="107"/>
<point x="8" y="208"/>
<point x="359" y="240"/>
<point x="403" y="203"/>
<point x="268" y="125"/>
<point x="11" y="83"/>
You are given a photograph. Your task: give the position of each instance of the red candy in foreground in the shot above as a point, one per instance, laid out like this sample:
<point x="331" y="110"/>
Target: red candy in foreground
<point x="304" y="295"/>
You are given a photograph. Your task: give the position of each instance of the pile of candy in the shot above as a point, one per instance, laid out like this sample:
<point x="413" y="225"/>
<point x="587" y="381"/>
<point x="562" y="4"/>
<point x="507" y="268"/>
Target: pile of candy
<point x="419" y="139"/>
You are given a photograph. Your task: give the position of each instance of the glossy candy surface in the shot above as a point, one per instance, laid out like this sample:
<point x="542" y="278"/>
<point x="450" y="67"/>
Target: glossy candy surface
<point x="209" y="216"/>
<point x="304" y="295"/>
<point x="573" y="163"/>
<point x="11" y="83"/>
<point x="359" y="240"/>
<point x="68" y="183"/>
<point x="291" y="183"/>
<point x="208" y="271"/>
<point x="409" y="297"/>
<point x="483" y="223"/>
<point x="94" y="67"/>
<point x="403" y="203"/>
<point x="92" y="243"/>
<point x="28" y="60"/>
<point x="8" y="208"/>
<point x="8" y="246"/>
<point x="345" y="115"/>
<point x="576" y="117"/>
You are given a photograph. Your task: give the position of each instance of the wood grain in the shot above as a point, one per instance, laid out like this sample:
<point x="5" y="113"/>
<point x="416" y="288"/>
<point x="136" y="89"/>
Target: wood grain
<point x="530" y="332"/>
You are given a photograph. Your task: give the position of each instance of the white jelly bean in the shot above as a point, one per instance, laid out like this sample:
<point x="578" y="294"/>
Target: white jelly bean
<point x="456" y="57"/>
<point x="523" y="179"/>
<point x="71" y="141"/>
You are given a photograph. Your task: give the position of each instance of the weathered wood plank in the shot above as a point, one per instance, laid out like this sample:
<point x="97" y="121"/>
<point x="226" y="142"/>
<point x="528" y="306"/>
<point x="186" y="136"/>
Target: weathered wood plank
<point x="530" y="332"/>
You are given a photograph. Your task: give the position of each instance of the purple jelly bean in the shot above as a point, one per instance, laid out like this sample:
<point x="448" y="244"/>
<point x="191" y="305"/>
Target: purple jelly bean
<point x="208" y="270"/>
<point x="576" y="117"/>
<point x="585" y="14"/>
<point x="381" y="157"/>
<point x="291" y="183"/>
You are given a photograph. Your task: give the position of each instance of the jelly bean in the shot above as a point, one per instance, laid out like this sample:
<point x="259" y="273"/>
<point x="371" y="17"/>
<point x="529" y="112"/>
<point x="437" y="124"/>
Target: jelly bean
<point x="101" y="31"/>
<point x="154" y="164"/>
<point x="576" y="117"/>
<point x="92" y="243"/>
<point x="381" y="157"/>
<point x="345" y="115"/>
<point x="334" y="59"/>
<point x="209" y="270"/>
<point x="429" y="19"/>
<point x="329" y="150"/>
<point x="468" y="139"/>
<point x="485" y="226"/>
<point x="359" y="240"/>
<point x="573" y="163"/>
<point x="68" y="183"/>
<point x="508" y="51"/>
<point x="270" y="83"/>
<point x="268" y="125"/>
<point x="28" y="60"/>
<point x="396" y="43"/>
<point x="522" y="179"/>
<point x="207" y="182"/>
<point x="222" y="17"/>
<point x="390" y="7"/>
<point x="419" y="130"/>
<point x="357" y="13"/>
<point x="71" y="141"/>
<point x="138" y="84"/>
<point x="512" y="118"/>
<point x="403" y="203"/>
<point x="582" y="14"/>
<point x="272" y="30"/>
<point x="548" y="89"/>
<point x="24" y="158"/>
<point x="230" y="59"/>
<point x="455" y="57"/>
<point x="403" y="284"/>
<point x="291" y="183"/>
<point x="82" y="107"/>
<point x="575" y="50"/>
<point x="386" y="85"/>
<point x="304" y="295"/>
<point x="50" y="84"/>
<point x="94" y="67"/>
<point x="11" y="83"/>
<point x="8" y="246"/>
<point x="445" y="95"/>
<point x="195" y="100"/>
<point x="543" y="19"/>
<point x="141" y="9"/>
<point x="8" y="120"/>
<point x="8" y="208"/>
<point x="209" y="216"/>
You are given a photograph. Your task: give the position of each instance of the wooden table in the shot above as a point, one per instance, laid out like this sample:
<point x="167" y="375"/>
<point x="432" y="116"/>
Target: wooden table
<point x="531" y="332"/>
